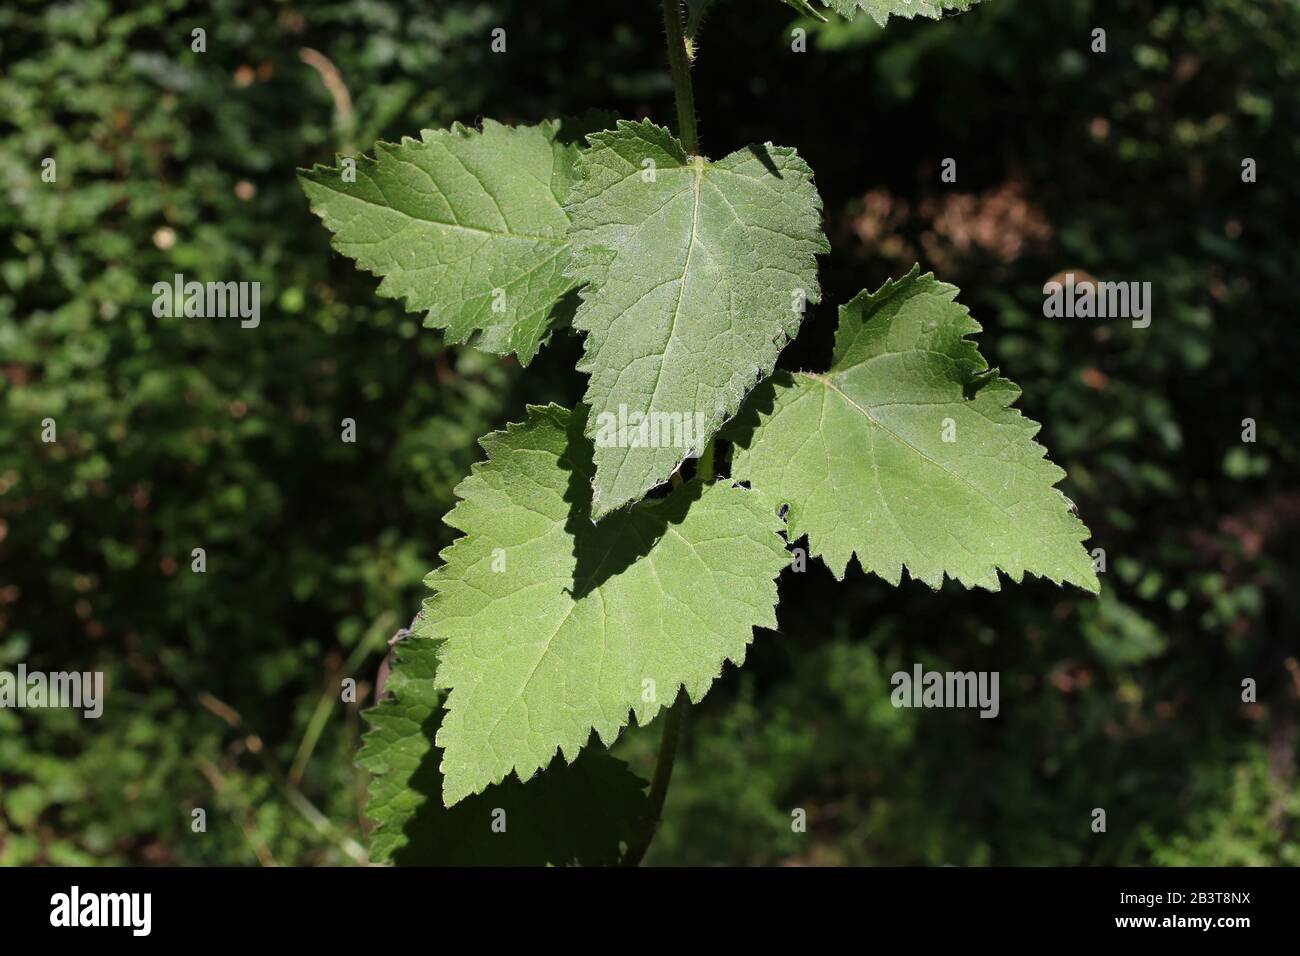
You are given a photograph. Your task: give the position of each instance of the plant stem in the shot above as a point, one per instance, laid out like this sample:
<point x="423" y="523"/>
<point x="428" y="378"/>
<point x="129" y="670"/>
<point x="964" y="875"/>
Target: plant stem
<point x="672" y="734"/>
<point x="679" y="62"/>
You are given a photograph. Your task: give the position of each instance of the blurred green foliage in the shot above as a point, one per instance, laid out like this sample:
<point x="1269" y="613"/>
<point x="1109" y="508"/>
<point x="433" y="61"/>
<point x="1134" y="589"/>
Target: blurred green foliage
<point x="176" y="434"/>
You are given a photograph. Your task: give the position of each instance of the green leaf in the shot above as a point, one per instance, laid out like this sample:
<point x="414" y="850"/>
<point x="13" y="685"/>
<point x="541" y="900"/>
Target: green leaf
<point x="908" y="452"/>
<point x="882" y="10"/>
<point x="572" y="813"/>
<point x="698" y="272"/>
<point x="464" y="225"/>
<point x="553" y="626"/>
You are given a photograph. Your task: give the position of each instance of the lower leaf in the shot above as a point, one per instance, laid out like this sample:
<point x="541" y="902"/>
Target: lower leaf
<point x="552" y="626"/>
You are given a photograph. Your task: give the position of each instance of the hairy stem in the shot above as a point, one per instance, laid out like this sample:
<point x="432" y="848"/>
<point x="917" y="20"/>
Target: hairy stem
<point x="672" y="734"/>
<point x="679" y="62"/>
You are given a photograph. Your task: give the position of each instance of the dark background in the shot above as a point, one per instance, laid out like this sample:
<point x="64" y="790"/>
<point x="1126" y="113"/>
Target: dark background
<point x="176" y="434"/>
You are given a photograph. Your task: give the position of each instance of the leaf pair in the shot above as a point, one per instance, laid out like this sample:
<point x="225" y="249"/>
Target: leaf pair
<point x="693" y="273"/>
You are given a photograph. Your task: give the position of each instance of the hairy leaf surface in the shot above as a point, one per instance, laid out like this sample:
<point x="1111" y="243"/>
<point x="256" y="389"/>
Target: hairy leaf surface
<point x="882" y="10"/>
<point x="699" y="272"/>
<point x="908" y="453"/>
<point x="552" y="626"/>
<point x="467" y="226"/>
<point x="581" y="813"/>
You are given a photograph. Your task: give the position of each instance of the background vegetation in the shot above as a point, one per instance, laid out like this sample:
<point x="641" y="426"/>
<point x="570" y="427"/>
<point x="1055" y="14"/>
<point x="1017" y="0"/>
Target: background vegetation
<point x="176" y="434"/>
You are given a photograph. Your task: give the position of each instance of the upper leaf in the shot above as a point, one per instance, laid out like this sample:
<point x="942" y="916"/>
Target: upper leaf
<point x="463" y="224"/>
<point x="881" y="10"/>
<point x="553" y="626"/>
<point x="572" y="813"/>
<point x="698" y="275"/>
<point x="908" y="452"/>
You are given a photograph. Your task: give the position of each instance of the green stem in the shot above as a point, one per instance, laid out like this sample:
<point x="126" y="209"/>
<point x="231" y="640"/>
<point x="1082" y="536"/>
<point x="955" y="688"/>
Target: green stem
<point x="679" y="62"/>
<point x="672" y="735"/>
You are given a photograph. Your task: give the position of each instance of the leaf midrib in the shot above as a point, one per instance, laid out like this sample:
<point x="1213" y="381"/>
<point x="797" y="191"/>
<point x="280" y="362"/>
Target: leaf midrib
<point x="696" y="188"/>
